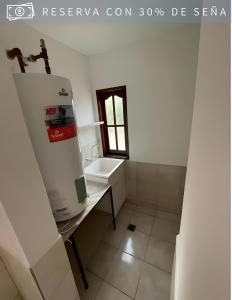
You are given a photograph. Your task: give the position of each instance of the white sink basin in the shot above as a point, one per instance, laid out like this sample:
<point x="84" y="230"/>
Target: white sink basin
<point x="110" y="172"/>
<point x="103" y="167"/>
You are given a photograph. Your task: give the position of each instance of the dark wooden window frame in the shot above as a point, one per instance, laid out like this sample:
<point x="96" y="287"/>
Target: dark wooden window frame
<point x="102" y="95"/>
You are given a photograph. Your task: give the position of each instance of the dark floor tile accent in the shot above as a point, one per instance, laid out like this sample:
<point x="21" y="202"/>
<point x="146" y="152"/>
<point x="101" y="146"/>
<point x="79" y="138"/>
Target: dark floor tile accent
<point x="131" y="227"/>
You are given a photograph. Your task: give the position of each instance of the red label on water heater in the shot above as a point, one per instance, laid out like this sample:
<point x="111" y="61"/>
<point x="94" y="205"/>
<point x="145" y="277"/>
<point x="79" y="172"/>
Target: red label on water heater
<point x="60" y="123"/>
<point x="51" y="111"/>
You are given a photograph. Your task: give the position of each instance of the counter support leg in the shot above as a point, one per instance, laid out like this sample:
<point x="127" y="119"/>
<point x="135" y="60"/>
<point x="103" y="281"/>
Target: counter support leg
<point x="86" y="285"/>
<point x="112" y="207"/>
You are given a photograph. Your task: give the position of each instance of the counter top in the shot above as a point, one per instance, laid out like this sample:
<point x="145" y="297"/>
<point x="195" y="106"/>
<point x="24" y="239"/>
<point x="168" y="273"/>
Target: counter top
<point x="95" y="190"/>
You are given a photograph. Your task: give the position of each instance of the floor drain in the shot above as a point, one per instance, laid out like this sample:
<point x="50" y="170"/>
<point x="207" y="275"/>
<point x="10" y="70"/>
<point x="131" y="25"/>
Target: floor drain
<point x="131" y="227"/>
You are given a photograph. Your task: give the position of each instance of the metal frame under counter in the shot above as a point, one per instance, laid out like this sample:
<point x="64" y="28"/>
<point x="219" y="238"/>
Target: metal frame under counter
<point x="67" y="229"/>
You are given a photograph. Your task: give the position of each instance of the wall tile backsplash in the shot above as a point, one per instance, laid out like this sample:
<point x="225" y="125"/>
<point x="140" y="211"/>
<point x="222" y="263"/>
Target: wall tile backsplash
<point x="156" y="184"/>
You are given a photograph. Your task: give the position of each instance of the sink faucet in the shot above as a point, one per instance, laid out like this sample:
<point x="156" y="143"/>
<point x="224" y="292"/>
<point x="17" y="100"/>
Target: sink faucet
<point x="91" y="150"/>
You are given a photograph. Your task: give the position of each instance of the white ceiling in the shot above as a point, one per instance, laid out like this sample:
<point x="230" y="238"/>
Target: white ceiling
<point x="91" y="39"/>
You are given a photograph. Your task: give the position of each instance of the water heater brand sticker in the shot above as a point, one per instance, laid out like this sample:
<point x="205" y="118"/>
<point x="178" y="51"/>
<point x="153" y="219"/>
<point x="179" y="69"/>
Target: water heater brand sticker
<point x="60" y="123"/>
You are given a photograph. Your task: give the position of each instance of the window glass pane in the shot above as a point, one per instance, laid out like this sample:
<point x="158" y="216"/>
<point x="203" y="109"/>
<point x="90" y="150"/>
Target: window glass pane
<point x="109" y="111"/>
<point x="118" y="102"/>
<point x="112" y="139"/>
<point x="121" y="138"/>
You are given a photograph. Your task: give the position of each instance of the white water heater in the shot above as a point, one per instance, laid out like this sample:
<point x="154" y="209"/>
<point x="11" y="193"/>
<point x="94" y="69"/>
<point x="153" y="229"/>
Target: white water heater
<point x="48" y="109"/>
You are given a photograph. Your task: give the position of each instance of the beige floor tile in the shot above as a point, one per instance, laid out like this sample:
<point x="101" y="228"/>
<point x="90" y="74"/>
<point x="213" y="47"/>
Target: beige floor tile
<point x="114" y="237"/>
<point x="124" y="216"/>
<point x="165" y="229"/>
<point x="94" y="285"/>
<point x="154" y="284"/>
<point x="135" y="243"/>
<point x="107" y="292"/>
<point x="129" y="205"/>
<point x="143" y="222"/>
<point x="125" y="272"/>
<point x="168" y="216"/>
<point x="160" y="254"/>
<point x="103" y="260"/>
<point x="146" y="209"/>
<point x="131" y="201"/>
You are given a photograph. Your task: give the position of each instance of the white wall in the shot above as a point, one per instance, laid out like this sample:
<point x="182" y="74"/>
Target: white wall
<point x="203" y="248"/>
<point x="160" y="78"/>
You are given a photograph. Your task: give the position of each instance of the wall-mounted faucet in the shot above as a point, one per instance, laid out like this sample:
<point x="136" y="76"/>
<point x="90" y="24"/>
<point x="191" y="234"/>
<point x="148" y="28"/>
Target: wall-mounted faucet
<point x="91" y="150"/>
<point x="90" y="159"/>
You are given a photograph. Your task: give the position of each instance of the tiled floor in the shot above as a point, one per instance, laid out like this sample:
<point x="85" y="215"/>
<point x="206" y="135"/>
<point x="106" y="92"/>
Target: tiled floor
<point x="133" y="265"/>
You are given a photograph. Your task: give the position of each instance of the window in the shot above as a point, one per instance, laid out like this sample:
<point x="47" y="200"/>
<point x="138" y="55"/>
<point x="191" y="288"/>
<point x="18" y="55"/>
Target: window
<point x="113" y="111"/>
